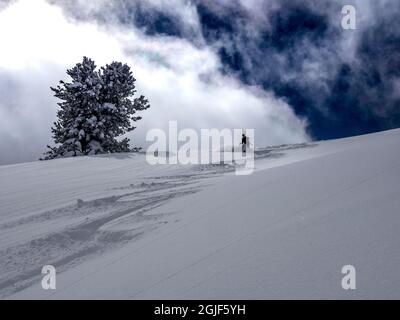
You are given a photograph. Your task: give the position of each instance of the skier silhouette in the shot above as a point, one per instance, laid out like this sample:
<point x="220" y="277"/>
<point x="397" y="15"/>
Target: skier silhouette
<point x="245" y="143"/>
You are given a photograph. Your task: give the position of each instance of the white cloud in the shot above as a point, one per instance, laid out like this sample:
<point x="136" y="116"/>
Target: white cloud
<point x="182" y="81"/>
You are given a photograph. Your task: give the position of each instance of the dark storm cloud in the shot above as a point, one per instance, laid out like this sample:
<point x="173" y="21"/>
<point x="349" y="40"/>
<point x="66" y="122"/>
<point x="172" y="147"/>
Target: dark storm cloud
<point x="154" y="18"/>
<point x="299" y="52"/>
<point x="365" y="94"/>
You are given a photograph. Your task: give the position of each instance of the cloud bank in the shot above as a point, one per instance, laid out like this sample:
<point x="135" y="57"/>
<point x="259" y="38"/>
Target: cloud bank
<point x="182" y="79"/>
<point x="283" y="67"/>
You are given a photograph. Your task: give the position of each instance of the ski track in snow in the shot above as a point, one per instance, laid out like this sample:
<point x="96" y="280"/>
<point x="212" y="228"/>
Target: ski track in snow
<point x="88" y="233"/>
<point x="88" y="228"/>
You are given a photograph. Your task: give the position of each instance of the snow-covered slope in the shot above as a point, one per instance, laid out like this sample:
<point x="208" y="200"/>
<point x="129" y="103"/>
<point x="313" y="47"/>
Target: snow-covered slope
<point x="115" y="227"/>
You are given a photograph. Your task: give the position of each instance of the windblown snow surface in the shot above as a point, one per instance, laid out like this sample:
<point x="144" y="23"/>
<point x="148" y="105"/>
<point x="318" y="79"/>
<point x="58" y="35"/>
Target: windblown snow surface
<point x="116" y="227"/>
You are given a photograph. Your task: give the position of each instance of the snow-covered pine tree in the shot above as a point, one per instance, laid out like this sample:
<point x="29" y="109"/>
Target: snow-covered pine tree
<point x="96" y="108"/>
<point x="117" y="108"/>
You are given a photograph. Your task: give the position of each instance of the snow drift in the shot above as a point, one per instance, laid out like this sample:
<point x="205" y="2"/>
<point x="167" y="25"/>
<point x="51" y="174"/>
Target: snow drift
<point x="116" y="227"/>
